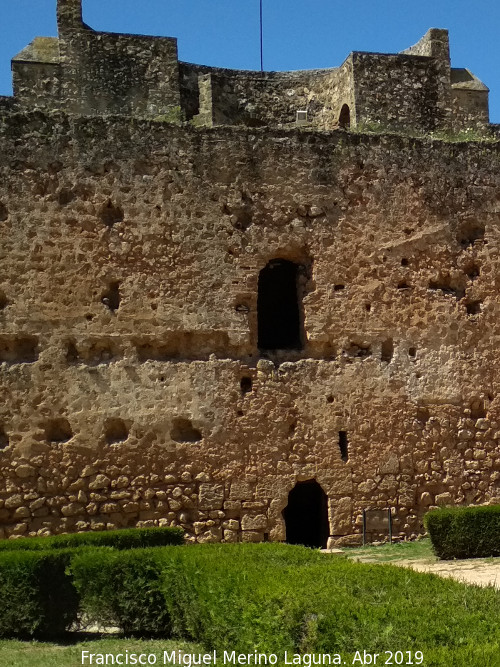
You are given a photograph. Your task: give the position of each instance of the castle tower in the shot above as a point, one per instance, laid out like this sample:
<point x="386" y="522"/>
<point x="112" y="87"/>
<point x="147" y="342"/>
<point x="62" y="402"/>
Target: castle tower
<point x="69" y="16"/>
<point x="256" y="331"/>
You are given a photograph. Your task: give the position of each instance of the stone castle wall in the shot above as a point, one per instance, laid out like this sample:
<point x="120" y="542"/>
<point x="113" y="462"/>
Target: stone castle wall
<point x="400" y="92"/>
<point x="231" y="97"/>
<point x="97" y="73"/>
<point x="132" y="390"/>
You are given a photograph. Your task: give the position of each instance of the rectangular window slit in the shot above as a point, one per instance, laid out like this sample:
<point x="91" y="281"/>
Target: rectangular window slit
<point x="343" y="446"/>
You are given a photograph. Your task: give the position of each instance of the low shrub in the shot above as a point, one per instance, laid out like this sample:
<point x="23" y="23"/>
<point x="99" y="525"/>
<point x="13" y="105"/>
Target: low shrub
<point x="37" y="596"/>
<point x="122" y="588"/>
<point x="128" y="538"/>
<point x="204" y="588"/>
<point x="273" y="599"/>
<point x="464" y="532"/>
<point x="225" y="595"/>
<point x="276" y="598"/>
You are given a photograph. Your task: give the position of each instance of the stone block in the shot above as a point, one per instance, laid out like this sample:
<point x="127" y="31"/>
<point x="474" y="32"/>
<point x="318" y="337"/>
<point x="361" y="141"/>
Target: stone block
<point x="211" y="497"/>
<point x="99" y="482"/>
<point x="444" y="499"/>
<point x="250" y="522"/>
<point x="426" y="499"/>
<point x="213" y="534"/>
<point x="389" y="465"/>
<point x="24" y="471"/>
<point x="14" y="501"/>
<point x="241" y="491"/>
<point x="72" y="509"/>
<point x="252" y="536"/>
<point x="230" y="535"/>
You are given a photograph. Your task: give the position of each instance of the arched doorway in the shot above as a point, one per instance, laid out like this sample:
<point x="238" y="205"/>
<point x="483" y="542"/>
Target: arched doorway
<point x="306" y="515"/>
<point x="278" y="310"/>
<point x="345" y="117"/>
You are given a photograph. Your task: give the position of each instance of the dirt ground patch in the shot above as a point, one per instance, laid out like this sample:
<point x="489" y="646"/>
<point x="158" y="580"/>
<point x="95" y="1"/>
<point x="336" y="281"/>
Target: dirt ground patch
<point x="419" y="556"/>
<point x="483" y="572"/>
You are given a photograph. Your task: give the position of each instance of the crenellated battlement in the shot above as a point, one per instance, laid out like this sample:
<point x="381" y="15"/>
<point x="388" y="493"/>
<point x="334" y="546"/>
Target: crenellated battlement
<point x="95" y="73"/>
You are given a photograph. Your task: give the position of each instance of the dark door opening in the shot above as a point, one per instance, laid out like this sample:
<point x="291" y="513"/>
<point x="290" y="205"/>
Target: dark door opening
<point x="345" y="117"/>
<point x="306" y="515"/>
<point x="278" y="309"/>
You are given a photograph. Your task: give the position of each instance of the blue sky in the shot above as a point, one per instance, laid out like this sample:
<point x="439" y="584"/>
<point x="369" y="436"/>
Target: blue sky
<point x="299" y="34"/>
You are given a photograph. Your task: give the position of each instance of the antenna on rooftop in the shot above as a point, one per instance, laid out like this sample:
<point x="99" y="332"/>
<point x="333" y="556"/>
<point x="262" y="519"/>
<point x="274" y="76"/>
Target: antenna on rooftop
<point x="261" y="38"/>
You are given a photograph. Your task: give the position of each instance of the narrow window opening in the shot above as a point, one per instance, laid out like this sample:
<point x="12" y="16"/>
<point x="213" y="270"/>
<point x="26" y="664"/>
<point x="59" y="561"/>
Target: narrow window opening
<point x="115" y="431"/>
<point x="477" y="410"/>
<point x="72" y="355"/>
<point x="4" y="438"/>
<point x="473" y="307"/>
<point x="412" y="352"/>
<point x="4" y="302"/>
<point x="279" y="315"/>
<point x="4" y="213"/>
<point x="339" y="288"/>
<point x="184" y="431"/>
<point x="404" y="262"/>
<point x="18" y="349"/>
<point x="387" y="350"/>
<point x="423" y="415"/>
<point x="58" y="430"/>
<point x="111" y="298"/>
<point x="111" y="214"/>
<point x="469" y="233"/>
<point x="343" y="446"/>
<point x="472" y="271"/>
<point x="345" y="117"/>
<point x="306" y="515"/>
<point x="246" y="385"/>
<point x="65" y="196"/>
<point x="368" y="307"/>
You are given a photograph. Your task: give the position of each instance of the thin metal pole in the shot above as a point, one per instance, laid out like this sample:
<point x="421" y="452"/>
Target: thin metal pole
<point x="390" y="524"/>
<point x="364" y="527"/>
<point x="261" y="38"/>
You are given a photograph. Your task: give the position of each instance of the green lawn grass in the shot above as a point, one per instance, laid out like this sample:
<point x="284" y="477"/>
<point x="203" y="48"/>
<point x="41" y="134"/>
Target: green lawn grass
<point x="69" y="654"/>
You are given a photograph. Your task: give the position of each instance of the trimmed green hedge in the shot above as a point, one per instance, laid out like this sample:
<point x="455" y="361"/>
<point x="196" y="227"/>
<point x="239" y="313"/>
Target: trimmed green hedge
<point x="275" y="598"/>
<point x="122" y="588"/>
<point x="272" y="598"/>
<point x="464" y="532"/>
<point x="230" y="595"/>
<point x="128" y="538"/>
<point x="37" y="598"/>
<point x="267" y="598"/>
